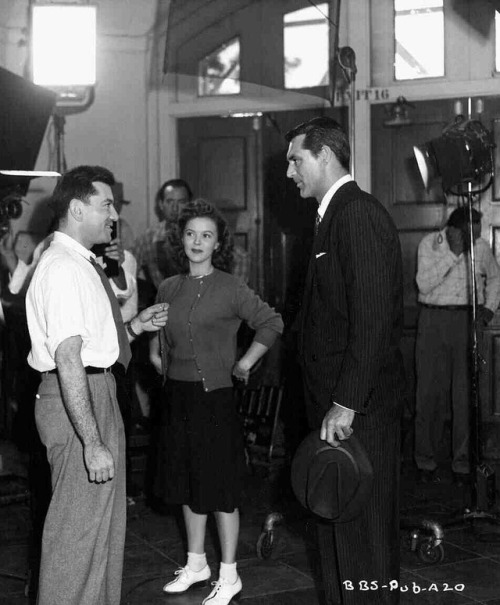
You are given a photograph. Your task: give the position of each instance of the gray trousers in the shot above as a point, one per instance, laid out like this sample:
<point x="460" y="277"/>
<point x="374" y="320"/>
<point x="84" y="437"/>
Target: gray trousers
<point x="84" y="532"/>
<point x="442" y="358"/>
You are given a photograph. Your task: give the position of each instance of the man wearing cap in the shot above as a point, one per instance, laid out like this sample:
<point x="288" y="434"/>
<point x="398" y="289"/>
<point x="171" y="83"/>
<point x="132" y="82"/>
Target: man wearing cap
<point x="351" y="322"/>
<point x="443" y="339"/>
<point x="77" y="334"/>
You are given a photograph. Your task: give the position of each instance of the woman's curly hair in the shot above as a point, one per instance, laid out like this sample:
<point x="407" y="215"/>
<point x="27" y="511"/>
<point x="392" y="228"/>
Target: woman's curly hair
<point x="222" y="257"/>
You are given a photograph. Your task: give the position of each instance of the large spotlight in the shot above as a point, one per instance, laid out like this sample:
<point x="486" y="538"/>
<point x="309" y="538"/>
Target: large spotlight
<point x="64" y="50"/>
<point x="462" y="154"/>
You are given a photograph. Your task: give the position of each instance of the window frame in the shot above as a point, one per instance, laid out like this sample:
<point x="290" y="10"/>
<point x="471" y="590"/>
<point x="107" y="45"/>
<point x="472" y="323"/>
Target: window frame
<point x="236" y="37"/>
<point x="394" y="42"/>
<point x="319" y="89"/>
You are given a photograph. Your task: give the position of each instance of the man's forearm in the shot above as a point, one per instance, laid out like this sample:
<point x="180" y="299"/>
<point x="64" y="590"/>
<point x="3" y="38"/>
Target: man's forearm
<point x="75" y="392"/>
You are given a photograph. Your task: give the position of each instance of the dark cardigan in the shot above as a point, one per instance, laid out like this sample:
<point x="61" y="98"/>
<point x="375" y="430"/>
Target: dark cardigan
<point x="199" y="340"/>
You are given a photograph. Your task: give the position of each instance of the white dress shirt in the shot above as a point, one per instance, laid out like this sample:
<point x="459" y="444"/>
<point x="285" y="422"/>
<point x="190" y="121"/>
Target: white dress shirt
<point x="327" y="198"/>
<point x="66" y="298"/>
<point x="127" y="298"/>
<point x="323" y="207"/>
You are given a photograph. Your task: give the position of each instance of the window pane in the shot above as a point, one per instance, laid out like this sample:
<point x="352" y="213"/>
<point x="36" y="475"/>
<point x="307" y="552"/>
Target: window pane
<point x="306" y="47"/>
<point x="219" y="72"/>
<point x="419" y="39"/>
<point x="497" y="41"/>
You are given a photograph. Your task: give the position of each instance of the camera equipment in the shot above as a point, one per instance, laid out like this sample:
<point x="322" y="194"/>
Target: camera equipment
<point x="25" y="110"/>
<point x="10" y="208"/>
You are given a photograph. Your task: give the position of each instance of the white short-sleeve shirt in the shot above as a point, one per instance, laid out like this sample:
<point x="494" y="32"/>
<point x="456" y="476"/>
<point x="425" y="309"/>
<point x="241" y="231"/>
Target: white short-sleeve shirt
<point x="66" y="298"/>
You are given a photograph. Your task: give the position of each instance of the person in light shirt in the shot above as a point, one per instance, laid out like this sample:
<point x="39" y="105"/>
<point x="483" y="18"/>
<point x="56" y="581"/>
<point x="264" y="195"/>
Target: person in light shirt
<point x="77" y="334"/>
<point x="443" y="337"/>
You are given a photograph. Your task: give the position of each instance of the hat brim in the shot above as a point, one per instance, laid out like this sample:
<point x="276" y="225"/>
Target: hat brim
<point x="334" y="483"/>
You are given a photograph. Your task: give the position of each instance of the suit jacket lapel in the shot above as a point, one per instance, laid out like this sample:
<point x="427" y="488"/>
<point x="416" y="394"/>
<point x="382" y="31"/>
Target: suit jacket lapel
<point x="317" y="246"/>
<point x="337" y="202"/>
<point x="321" y="244"/>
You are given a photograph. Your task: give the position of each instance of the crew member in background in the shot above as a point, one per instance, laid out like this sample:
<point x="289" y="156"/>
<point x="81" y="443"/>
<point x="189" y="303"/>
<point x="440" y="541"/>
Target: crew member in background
<point x="152" y="249"/>
<point x="443" y="339"/>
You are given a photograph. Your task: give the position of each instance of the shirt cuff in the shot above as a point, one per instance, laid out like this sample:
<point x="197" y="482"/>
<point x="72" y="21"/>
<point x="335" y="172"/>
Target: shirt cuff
<point x="344" y="407"/>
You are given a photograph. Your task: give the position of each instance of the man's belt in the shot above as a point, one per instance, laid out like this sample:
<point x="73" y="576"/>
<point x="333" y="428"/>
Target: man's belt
<point x="88" y="370"/>
<point x="447" y="307"/>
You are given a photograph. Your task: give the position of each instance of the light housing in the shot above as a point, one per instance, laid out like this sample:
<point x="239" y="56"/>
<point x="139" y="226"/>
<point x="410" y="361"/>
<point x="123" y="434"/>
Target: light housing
<point x="462" y="154"/>
<point x="63" y="50"/>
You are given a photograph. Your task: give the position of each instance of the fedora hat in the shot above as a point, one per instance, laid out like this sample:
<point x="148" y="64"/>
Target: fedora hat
<point x="332" y="482"/>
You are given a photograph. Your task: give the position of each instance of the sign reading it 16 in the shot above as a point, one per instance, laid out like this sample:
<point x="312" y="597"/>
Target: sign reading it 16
<point x="342" y="97"/>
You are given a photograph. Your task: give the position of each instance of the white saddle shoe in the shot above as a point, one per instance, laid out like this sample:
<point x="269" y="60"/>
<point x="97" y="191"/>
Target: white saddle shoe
<point x="187" y="578"/>
<point x="223" y="592"/>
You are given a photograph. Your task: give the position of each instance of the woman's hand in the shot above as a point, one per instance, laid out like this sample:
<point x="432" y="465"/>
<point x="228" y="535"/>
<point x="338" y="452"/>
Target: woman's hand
<point x="241" y="372"/>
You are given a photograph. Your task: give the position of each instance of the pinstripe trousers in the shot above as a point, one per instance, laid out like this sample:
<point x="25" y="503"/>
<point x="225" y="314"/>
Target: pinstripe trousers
<point x="361" y="556"/>
<point x="84" y="532"/>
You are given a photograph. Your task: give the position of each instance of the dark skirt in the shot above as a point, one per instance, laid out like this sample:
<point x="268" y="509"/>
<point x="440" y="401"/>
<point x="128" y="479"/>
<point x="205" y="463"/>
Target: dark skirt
<point x="201" y="458"/>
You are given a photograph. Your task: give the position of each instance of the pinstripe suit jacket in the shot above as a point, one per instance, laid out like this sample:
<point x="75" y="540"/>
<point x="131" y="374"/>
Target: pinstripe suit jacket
<point x="352" y="312"/>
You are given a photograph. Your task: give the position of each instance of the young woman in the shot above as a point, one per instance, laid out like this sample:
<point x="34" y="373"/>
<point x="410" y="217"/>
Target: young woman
<point x="203" y="443"/>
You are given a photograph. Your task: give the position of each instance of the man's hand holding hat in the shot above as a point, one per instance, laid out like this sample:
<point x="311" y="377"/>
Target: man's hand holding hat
<point x="337" y="425"/>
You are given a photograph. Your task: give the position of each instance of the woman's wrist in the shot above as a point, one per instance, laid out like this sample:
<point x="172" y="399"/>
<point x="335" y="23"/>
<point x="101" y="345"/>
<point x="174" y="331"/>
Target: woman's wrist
<point x="244" y="365"/>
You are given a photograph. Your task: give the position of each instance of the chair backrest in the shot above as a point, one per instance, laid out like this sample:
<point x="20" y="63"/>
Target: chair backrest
<point x="260" y="407"/>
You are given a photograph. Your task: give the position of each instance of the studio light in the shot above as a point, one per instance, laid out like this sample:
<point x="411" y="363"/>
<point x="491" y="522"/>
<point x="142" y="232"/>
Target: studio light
<point x="462" y="154"/>
<point x="63" y="40"/>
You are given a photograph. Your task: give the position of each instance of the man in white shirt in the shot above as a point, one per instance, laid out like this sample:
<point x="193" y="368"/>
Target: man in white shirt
<point x="124" y="285"/>
<point x="443" y="337"/>
<point x="77" y="334"/>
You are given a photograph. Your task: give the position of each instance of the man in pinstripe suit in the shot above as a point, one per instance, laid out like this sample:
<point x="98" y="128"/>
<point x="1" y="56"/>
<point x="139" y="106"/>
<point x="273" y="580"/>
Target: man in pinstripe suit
<point x="351" y="321"/>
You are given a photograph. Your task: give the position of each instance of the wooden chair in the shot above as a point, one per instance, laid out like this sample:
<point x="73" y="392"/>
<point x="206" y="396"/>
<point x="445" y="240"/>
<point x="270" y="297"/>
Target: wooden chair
<point x="260" y="408"/>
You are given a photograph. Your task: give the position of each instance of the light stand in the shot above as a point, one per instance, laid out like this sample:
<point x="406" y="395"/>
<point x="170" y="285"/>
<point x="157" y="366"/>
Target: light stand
<point x="59" y="121"/>
<point x="463" y="155"/>
<point x="347" y="62"/>
<point x="63" y="59"/>
<point x="481" y="473"/>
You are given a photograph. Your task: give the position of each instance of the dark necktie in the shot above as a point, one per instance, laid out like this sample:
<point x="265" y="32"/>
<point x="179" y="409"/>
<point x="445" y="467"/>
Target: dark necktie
<point x="125" y="353"/>
<point x="316" y="223"/>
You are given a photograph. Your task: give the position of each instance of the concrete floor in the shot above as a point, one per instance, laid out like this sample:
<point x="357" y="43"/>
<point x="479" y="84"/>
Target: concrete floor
<point x="469" y="572"/>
